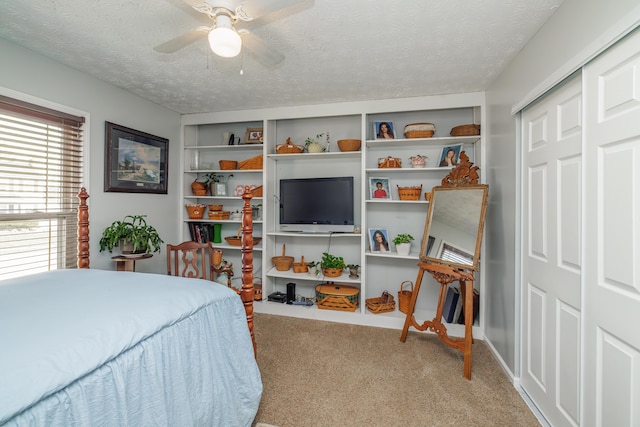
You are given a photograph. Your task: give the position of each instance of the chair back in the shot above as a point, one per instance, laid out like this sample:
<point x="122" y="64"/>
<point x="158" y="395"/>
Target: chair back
<point x="190" y="259"/>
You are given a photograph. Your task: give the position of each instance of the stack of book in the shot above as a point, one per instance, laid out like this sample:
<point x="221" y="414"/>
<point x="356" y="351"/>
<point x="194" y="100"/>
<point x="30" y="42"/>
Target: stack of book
<point x="453" y="311"/>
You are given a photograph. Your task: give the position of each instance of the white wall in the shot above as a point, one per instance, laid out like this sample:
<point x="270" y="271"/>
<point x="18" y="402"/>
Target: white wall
<point x="29" y="73"/>
<point x="578" y="31"/>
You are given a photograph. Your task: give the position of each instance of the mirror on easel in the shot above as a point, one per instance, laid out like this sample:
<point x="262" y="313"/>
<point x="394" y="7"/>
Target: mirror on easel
<point x="454" y="225"/>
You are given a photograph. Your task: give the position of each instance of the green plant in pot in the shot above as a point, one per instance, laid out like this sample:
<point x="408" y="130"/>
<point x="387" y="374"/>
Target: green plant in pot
<point x="211" y="179"/>
<point x="132" y="235"/>
<point x="332" y="265"/>
<point x="403" y="243"/>
<point x="313" y="145"/>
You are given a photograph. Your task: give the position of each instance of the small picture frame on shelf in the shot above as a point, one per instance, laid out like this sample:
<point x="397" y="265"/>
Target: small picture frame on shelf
<point x="450" y="155"/>
<point x="220" y="189"/>
<point x="379" y="188"/>
<point x="379" y="240"/>
<point x="253" y="136"/>
<point x="383" y="130"/>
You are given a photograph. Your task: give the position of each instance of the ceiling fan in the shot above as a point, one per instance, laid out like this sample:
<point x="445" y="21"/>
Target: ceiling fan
<point x="224" y="39"/>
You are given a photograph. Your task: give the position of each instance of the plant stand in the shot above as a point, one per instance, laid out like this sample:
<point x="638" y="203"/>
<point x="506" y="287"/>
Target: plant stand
<point x="128" y="263"/>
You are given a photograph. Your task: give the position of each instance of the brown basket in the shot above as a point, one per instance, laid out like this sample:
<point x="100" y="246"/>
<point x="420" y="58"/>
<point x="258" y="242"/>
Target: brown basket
<point x="389" y="162"/>
<point x="330" y="296"/>
<point x="257" y="289"/>
<point x="196" y="211"/>
<point x="382" y="304"/>
<point x="349" y="144"/>
<point x="198" y="188"/>
<point x="219" y="215"/>
<point x="419" y="130"/>
<point x="215" y="208"/>
<point x="282" y="263"/>
<point x="466" y="130"/>
<point x="301" y="267"/>
<point x="409" y="193"/>
<point x="256" y="192"/>
<point x="254" y="163"/>
<point x="237" y="240"/>
<point x="289" y="148"/>
<point x="228" y="164"/>
<point x="404" y="296"/>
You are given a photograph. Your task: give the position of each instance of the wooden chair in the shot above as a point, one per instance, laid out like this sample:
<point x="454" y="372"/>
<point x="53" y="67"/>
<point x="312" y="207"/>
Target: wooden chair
<point x="190" y="259"/>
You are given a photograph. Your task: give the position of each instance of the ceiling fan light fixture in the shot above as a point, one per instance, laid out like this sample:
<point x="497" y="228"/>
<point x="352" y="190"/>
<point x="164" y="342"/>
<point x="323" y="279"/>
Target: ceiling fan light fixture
<point x="223" y="39"/>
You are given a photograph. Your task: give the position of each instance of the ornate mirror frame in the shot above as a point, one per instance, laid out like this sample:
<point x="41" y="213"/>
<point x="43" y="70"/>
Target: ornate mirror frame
<point x="462" y="202"/>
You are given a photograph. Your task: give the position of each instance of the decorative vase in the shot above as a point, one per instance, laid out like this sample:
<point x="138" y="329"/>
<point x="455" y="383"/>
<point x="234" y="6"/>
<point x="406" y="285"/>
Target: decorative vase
<point x="403" y="248"/>
<point x="217" y="233"/>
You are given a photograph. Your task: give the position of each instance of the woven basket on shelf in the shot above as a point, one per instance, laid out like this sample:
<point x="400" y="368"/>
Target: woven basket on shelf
<point x="228" y="164"/>
<point x="389" y="162"/>
<point x="215" y="208"/>
<point x="466" y="130"/>
<point x="257" y="192"/>
<point x="301" y="267"/>
<point x="409" y="193"/>
<point x="331" y="296"/>
<point x="219" y="215"/>
<point x="282" y="263"/>
<point x="289" y="148"/>
<point x="419" y="130"/>
<point x="196" y="211"/>
<point x="198" y="188"/>
<point x="382" y="304"/>
<point x="404" y="296"/>
<point x="254" y="163"/>
<point x="257" y="289"/>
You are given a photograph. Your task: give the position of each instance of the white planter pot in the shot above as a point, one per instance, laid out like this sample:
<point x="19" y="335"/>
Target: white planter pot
<point x="403" y="249"/>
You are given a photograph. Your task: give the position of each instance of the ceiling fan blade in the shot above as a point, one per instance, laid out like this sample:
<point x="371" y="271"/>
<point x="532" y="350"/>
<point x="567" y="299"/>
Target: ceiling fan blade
<point x="257" y="8"/>
<point x="184" y="40"/>
<point x="256" y="47"/>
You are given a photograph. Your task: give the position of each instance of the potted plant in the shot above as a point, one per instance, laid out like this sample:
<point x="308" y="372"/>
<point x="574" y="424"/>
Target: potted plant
<point x="313" y="145"/>
<point x="403" y="243"/>
<point x="313" y="268"/>
<point x="332" y="265"/>
<point x="132" y="235"/>
<point x="211" y="179"/>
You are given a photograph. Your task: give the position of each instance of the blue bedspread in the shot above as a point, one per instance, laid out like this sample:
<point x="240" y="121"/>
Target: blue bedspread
<point x="93" y="347"/>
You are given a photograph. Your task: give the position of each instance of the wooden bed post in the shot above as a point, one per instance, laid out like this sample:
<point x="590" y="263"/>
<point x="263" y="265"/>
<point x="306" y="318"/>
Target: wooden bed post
<point x="83" y="229"/>
<point x="246" y="293"/>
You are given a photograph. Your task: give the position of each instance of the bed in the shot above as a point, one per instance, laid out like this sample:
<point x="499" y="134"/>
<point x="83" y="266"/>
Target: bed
<point x="94" y="347"/>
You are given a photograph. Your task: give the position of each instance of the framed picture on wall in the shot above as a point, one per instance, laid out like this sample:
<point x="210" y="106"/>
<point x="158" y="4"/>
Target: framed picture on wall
<point x="135" y="161"/>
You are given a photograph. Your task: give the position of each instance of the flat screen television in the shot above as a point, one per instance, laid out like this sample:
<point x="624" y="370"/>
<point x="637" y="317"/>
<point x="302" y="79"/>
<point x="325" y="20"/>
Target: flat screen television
<point x="317" y="205"/>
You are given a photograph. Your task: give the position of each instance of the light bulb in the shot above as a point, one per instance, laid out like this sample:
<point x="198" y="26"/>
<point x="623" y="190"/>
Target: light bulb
<point x="224" y="40"/>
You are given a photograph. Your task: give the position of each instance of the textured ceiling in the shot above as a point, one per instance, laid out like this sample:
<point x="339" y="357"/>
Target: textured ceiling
<point x="336" y="50"/>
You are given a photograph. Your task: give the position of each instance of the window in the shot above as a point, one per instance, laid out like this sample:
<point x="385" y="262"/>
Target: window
<point x="40" y="176"/>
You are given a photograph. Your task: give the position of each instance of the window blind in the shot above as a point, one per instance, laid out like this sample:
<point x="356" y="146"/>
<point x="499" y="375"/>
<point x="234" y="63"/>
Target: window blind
<point x="41" y="173"/>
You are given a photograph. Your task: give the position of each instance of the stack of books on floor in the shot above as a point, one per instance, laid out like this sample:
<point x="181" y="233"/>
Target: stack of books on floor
<point x="453" y="311"/>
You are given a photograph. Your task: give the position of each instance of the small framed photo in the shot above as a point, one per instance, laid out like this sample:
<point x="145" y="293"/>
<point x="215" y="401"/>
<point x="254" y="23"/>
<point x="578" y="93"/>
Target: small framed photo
<point x="379" y="240"/>
<point x="253" y="136"/>
<point x="450" y="155"/>
<point x="220" y="189"/>
<point x="379" y="188"/>
<point x="135" y="161"/>
<point x="384" y="130"/>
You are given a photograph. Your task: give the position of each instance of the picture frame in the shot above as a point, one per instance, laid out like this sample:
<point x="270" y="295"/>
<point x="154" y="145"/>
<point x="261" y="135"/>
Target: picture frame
<point x="135" y="161"/>
<point x="379" y="240"/>
<point x="378" y="133"/>
<point x="379" y="188"/>
<point x="254" y="136"/>
<point x="456" y="155"/>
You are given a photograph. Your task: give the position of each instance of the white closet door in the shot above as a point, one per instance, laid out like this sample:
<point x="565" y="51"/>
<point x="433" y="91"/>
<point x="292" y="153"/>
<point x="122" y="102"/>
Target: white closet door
<point x="612" y="237"/>
<point x="551" y="262"/>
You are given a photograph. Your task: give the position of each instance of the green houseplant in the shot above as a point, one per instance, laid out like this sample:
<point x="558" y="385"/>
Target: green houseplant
<point x="332" y="265"/>
<point x="403" y="243"/>
<point x="132" y="231"/>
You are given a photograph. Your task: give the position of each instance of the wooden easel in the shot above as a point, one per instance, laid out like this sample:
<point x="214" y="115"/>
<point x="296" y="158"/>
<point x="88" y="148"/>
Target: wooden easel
<point x="445" y="275"/>
<point x="464" y="174"/>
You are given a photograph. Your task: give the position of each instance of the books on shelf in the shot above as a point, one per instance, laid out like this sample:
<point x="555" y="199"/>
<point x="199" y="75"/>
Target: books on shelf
<point x="476" y="309"/>
<point x="201" y="232"/>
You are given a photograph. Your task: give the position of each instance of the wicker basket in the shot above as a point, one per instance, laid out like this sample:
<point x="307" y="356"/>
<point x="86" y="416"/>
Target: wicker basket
<point x="419" y="130"/>
<point x="196" y="211"/>
<point x="282" y="263"/>
<point x="330" y="296"/>
<point x="228" y="164"/>
<point x="198" y="188"/>
<point x="289" y="148"/>
<point x="381" y="304"/>
<point x="409" y="193"/>
<point x="254" y="163"/>
<point x="257" y="192"/>
<point x="389" y="162"/>
<point x="404" y="296"/>
<point x="219" y="215"/>
<point x="215" y="208"/>
<point x="257" y="289"/>
<point x="349" y="144"/>
<point x="237" y="240"/>
<point x="466" y="130"/>
<point x="301" y="267"/>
